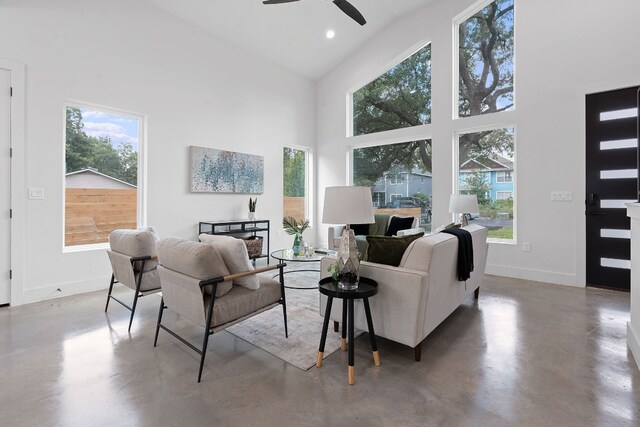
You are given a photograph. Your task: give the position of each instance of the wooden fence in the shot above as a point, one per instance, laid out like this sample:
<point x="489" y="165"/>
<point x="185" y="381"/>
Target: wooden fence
<point x="399" y="211"/>
<point x="92" y="213"/>
<point x="294" y="206"/>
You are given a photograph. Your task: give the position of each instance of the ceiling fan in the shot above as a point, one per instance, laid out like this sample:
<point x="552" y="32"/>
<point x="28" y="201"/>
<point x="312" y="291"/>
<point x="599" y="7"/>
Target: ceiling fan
<point x="344" y="6"/>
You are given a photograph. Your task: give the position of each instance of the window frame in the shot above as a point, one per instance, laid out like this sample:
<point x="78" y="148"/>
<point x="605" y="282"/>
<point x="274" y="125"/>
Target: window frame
<point x="457" y="20"/>
<point x="141" y="212"/>
<point x="505" y="175"/>
<point x="398" y="178"/>
<point x="308" y="181"/>
<point x="504" y="192"/>
<point x="383" y="135"/>
<point x="456" y="167"/>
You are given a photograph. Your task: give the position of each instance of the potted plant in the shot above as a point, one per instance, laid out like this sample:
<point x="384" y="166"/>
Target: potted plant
<point x="293" y="227"/>
<point x="252" y="208"/>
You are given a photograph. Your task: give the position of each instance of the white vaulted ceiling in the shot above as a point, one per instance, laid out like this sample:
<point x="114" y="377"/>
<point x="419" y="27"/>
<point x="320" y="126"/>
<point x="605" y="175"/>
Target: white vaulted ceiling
<point x="291" y="34"/>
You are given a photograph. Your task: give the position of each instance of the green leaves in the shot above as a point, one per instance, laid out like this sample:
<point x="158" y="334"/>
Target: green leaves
<point x="291" y="225"/>
<point x="252" y="204"/>
<point x="399" y="98"/>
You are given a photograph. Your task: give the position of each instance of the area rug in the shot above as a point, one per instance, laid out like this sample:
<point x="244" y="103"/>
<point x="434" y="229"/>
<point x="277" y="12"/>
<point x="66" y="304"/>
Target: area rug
<point x="266" y="330"/>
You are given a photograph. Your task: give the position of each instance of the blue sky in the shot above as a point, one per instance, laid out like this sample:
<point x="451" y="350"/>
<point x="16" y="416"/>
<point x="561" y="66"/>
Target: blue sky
<point x="120" y="129"/>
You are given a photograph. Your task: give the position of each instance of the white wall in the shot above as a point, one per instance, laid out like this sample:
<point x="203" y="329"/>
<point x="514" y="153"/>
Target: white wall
<point x="564" y="49"/>
<point x="193" y="89"/>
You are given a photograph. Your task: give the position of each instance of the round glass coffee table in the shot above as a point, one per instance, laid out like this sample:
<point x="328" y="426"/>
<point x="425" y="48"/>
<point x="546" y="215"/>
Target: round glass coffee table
<point x="286" y="255"/>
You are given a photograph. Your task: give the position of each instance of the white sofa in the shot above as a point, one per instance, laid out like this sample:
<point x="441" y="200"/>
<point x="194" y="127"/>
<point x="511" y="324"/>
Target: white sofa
<point x="415" y="297"/>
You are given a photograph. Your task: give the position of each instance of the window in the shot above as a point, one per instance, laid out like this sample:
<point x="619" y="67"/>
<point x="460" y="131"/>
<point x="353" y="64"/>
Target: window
<point x="378" y="199"/>
<point x="485" y="61"/>
<point x="399" y="98"/>
<point x="481" y="154"/>
<point x="412" y="160"/>
<point x="503" y="176"/>
<point x="296" y="183"/>
<point x="395" y="178"/>
<point x="102" y="169"/>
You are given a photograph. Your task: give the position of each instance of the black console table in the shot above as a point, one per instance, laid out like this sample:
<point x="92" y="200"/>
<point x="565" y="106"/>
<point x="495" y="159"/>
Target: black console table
<point x="239" y="228"/>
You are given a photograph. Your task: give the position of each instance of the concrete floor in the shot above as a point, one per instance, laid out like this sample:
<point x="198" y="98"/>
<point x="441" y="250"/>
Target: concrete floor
<point x="525" y="354"/>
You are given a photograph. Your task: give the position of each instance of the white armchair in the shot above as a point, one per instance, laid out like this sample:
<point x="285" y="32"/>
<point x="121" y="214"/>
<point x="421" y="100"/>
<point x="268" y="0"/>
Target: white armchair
<point x="197" y="284"/>
<point x="134" y="264"/>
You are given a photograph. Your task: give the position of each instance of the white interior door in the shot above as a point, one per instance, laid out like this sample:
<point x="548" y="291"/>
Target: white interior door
<point x="5" y="185"/>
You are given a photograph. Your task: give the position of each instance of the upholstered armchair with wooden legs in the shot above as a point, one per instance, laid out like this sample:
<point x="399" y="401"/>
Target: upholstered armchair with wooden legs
<point x="197" y="285"/>
<point x="134" y="264"/>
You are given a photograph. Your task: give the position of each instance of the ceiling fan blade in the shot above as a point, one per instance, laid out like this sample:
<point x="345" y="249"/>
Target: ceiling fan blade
<point x="350" y="10"/>
<point x="278" y="1"/>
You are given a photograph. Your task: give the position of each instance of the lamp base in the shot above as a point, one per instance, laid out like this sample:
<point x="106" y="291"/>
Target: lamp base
<point x="348" y="282"/>
<point x="464" y="221"/>
<point x="348" y="262"/>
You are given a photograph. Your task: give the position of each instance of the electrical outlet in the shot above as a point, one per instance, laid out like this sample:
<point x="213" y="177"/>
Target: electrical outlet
<point x="526" y="246"/>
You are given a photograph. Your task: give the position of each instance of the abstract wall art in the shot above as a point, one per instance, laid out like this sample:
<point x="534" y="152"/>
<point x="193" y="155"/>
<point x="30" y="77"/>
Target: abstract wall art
<point x="221" y="171"/>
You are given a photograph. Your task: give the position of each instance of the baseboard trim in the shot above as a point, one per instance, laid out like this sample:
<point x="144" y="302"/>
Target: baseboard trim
<point x="634" y="344"/>
<point x="65" y="289"/>
<point x="535" y="275"/>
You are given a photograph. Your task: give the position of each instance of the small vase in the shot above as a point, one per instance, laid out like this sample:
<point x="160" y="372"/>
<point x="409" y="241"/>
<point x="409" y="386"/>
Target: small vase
<point x="301" y="246"/>
<point x="296" y="245"/>
<point x="252" y="216"/>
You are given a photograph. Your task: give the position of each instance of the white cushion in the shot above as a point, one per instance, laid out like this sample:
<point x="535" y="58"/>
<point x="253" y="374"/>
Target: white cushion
<point x="134" y="243"/>
<point x="197" y="260"/>
<point x="235" y="256"/>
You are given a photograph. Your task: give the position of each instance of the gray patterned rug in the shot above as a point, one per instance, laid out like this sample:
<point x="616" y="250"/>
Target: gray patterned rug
<point x="266" y="330"/>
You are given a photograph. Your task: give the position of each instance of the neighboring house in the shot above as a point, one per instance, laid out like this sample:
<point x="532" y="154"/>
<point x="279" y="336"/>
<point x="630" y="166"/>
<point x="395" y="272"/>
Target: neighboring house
<point x="91" y="178"/>
<point x="401" y="184"/>
<point x="498" y="172"/>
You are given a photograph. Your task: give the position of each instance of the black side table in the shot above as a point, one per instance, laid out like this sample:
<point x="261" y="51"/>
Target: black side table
<point x="366" y="288"/>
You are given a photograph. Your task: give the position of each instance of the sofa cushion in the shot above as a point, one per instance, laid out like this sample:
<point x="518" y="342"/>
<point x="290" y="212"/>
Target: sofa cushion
<point x="397" y="223"/>
<point x="379" y="227"/>
<point x="388" y="250"/>
<point x="235" y="256"/>
<point x="194" y="259"/>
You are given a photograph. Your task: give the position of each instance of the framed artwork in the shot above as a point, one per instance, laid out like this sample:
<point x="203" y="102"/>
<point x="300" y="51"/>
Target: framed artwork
<point x="221" y="171"/>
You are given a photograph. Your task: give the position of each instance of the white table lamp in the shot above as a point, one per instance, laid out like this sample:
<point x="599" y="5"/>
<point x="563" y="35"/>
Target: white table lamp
<point x="348" y="205"/>
<point x="463" y="204"/>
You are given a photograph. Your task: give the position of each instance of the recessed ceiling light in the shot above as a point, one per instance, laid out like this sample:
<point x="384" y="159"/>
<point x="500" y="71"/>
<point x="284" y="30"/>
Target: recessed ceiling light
<point x="331" y="34"/>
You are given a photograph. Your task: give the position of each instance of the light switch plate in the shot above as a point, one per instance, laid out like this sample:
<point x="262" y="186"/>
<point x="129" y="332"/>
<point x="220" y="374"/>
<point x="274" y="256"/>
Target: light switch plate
<point x="36" y="193"/>
<point x="561" y="196"/>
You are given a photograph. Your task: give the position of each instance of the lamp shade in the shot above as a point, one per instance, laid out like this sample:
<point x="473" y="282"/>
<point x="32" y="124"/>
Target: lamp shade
<point x="463" y="203"/>
<point x="347" y="205"/>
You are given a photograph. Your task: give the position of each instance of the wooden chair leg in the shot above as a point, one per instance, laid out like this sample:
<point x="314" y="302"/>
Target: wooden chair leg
<point x="477" y="293"/>
<point x="418" y="352"/>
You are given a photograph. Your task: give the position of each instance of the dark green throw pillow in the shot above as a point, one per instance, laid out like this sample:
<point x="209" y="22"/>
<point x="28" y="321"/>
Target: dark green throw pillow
<point x="360" y="229"/>
<point x="389" y="250"/>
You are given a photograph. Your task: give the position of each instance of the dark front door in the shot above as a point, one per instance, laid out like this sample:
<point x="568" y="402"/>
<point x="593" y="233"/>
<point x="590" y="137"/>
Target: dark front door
<point x="612" y="181"/>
